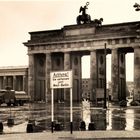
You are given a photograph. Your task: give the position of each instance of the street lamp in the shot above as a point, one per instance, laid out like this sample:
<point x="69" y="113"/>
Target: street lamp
<point x="136" y="6"/>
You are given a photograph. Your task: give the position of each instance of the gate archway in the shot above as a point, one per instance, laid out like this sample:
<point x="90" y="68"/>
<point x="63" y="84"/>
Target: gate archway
<point x="63" y="49"/>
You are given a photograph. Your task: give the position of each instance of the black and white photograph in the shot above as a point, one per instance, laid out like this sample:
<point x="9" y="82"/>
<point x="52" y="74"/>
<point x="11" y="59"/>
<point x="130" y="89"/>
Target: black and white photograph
<point x="70" y="70"/>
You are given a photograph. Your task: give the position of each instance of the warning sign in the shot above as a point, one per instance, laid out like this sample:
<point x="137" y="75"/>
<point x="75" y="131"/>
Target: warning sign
<point x="61" y="79"/>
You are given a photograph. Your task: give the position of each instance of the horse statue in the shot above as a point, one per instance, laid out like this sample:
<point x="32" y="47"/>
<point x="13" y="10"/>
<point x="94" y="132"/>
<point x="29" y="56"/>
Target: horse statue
<point x="97" y="22"/>
<point x="84" y="18"/>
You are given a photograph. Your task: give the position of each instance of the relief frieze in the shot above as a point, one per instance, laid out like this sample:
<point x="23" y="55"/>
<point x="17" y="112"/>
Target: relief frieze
<point x="82" y="45"/>
<point x="82" y="31"/>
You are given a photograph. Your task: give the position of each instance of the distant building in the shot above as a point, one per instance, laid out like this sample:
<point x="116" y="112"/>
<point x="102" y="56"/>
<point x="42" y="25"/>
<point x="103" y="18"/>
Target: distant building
<point x="85" y="88"/>
<point x="130" y="86"/>
<point x="15" y="77"/>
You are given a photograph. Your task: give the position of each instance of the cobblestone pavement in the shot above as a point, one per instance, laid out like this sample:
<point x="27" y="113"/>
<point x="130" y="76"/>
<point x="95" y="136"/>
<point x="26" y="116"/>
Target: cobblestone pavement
<point x="76" y="135"/>
<point x="122" y="124"/>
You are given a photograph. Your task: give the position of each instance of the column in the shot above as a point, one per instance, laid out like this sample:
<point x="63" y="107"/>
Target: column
<point x="93" y="75"/>
<point x="115" y="74"/>
<point x="31" y="77"/>
<point x="122" y="77"/>
<point x="4" y="82"/>
<point x="77" y="84"/>
<point x="48" y="69"/>
<point x="67" y="67"/>
<point x="67" y="61"/>
<point x="1" y="82"/>
<point x="24" y="83"/>
<point x="137" y="73"/>
<point x="14" y="82"/>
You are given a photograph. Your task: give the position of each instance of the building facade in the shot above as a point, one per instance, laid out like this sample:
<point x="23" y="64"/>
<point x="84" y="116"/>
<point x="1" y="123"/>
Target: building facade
<point x="14" y="77"/>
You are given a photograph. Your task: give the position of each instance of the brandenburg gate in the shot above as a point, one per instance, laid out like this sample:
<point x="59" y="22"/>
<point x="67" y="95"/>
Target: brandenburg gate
<point x="62" y="49"/>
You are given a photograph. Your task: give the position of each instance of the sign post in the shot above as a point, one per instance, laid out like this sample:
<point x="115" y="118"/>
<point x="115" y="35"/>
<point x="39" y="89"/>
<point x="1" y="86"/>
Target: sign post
<point x="71" y="116"/>
<point x="52" y="109"/>
<point x="61" y="79"/>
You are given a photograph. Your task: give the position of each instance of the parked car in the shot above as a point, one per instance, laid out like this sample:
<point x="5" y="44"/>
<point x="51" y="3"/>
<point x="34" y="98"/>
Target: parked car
<point x="12" y="97"/>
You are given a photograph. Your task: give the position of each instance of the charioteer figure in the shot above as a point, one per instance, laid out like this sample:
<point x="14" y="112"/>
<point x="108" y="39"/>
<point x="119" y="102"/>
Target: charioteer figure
<point x="83" y="10"/>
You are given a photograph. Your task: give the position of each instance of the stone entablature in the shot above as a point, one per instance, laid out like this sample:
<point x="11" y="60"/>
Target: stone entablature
<point x="84" y="32"/>
<point x="13" y="70"/>
<point x="84" y="37"/>
<point x="81" y="46"/>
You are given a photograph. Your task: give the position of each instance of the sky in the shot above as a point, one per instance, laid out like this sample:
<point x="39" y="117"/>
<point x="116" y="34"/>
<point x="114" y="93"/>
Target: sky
<point x="20" y="17"/>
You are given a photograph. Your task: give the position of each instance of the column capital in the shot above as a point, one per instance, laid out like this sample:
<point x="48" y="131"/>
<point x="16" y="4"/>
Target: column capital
<point x="14" y="76"/>
<point x="30" y="53"/>
<point x="93" y="50"/>
<point x="113" y="49"/>
<point x="138" y="46"/>
<point x="65" y="51"/>
<point x="4" y="77"/>
<point x="47" y="53"/>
